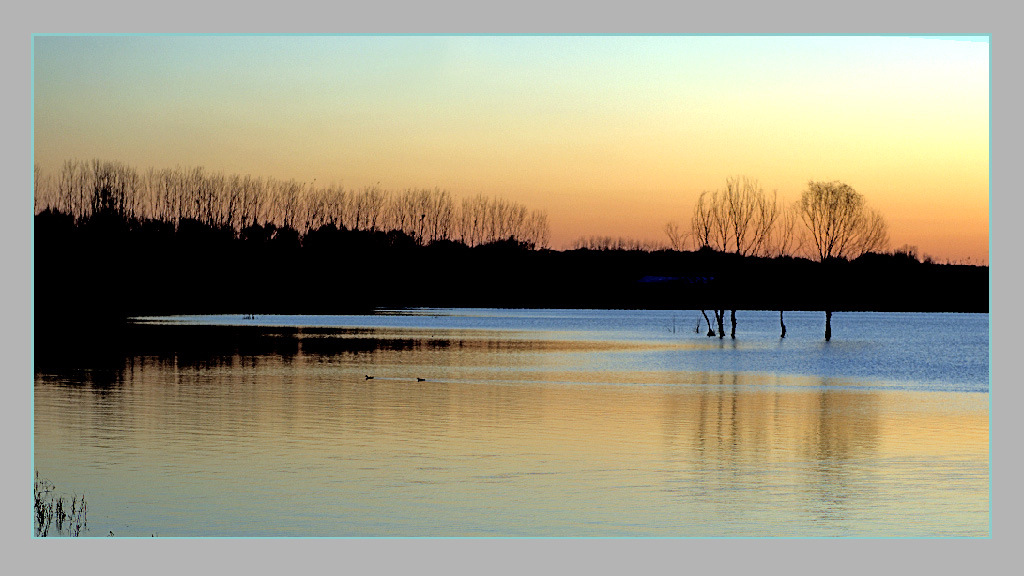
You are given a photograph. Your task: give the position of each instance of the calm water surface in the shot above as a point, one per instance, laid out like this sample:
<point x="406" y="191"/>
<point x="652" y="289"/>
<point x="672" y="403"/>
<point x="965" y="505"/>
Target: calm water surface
<point x="526" y="423"/>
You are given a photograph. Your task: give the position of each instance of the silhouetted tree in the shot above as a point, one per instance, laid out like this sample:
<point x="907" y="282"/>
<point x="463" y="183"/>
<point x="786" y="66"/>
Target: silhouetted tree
<point x="741" y="219"/>
<point x="738" y="219"/>
<point x="840" y="226"/>
<point x="839" y="223"/>
<point x="676" y="237"/>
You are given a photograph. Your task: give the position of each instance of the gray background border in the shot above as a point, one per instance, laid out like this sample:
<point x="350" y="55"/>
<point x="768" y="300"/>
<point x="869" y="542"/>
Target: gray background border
<point x="169" y="556"/>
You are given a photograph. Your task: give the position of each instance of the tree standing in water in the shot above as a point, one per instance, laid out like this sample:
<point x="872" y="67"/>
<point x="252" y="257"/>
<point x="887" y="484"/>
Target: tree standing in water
<point x="740" y="219"/>
<point x="840" y="226"/>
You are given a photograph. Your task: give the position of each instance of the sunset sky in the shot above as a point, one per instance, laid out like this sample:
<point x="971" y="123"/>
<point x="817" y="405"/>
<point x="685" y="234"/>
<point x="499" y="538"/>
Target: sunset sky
<point x="610" y="135"/>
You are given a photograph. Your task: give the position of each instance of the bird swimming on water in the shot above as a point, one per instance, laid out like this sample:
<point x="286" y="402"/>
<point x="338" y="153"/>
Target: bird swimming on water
<point x="369" y="377"/>
<point x="418" y="379"/>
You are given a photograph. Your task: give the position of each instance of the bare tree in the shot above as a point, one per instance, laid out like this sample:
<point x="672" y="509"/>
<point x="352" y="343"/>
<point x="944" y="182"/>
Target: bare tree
<point x="443" y="213"/>
<point x="749" y="213"/>
<point x="537" y="229"/>
<point x="471" y="214"/>
<point x="839" y="223"/>
<point x="401" y="209"/>
<point x="701" y="223"/>
<point x="784" y="238"/>
<point x="676" y="237"/>
<point x="114" y="189"/>
<point x="719" y="221"/>
<point x="436" y="210"/>
<point x="738" y="219"/>
<point x="41" y="194"/>
<point x="840" y="226"/>
<point x="336" y="204"/>
<point x="375" y="201"/>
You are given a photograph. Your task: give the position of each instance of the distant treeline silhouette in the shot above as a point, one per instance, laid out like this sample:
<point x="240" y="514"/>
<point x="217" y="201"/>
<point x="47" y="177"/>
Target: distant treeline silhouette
<point x="616" y="243"/>
<point x="241" y="203"/>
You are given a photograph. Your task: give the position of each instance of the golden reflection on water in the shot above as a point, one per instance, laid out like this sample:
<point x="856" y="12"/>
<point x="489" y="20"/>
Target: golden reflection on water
<point x="506" y="437"/>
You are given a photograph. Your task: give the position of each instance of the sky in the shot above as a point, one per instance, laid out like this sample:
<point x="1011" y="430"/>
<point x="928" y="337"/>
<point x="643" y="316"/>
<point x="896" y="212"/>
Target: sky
<point x="609" y="135"/>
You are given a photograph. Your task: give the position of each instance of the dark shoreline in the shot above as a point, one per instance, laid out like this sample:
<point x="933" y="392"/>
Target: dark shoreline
<point x="101" y="275"/>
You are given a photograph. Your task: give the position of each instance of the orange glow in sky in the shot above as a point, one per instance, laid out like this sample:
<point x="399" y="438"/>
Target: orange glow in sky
<point x="610" y="135"/>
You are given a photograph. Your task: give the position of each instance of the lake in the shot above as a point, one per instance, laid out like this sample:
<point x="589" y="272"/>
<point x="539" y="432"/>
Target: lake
<point x="536" y="423"/>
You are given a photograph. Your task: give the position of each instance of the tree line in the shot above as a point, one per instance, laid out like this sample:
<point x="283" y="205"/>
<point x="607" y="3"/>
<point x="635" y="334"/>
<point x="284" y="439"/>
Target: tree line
<point x="235" y="202"/>
<point x="606" y="243"/>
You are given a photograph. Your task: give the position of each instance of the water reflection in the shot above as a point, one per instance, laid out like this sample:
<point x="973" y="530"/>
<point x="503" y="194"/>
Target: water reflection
<point x="278" y="432"/>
